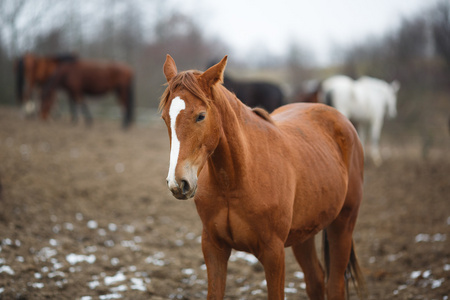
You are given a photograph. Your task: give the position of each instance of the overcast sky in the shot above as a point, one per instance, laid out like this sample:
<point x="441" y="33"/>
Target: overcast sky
<point x="271" y="25"/>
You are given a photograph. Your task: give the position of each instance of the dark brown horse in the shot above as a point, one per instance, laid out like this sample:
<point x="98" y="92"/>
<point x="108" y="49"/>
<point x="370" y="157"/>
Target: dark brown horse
<point x="256" y="93"/>
<point x="91" y="78"/>
<point x="265" y="182"/>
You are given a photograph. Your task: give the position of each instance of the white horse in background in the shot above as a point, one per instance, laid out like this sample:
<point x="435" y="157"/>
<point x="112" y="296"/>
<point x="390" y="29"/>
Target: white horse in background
<point x="365" y="101"/>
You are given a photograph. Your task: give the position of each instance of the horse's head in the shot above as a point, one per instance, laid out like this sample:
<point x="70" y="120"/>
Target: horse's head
<point x="392" y="99"/>
<point x="192" y="121"/>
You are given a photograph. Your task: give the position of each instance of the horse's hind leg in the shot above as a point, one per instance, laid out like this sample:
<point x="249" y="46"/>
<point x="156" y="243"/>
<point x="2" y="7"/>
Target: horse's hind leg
<point x="339" y="235"/>
<point x="73" y="111"/>
<point x="375" y="132"/>
<point x="306" y="256"/>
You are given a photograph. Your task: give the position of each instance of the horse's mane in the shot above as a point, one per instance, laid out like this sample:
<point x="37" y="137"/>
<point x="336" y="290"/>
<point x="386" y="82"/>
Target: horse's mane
<point x="187" y="80"/>
<point x="262" y="113"/>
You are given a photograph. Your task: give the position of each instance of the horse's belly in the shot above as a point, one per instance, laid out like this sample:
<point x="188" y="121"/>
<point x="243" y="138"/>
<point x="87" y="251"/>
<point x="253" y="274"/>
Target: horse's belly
<point x="305" y="228"/>
<point x="319" y="198"/>
<point x="301" y="235"/>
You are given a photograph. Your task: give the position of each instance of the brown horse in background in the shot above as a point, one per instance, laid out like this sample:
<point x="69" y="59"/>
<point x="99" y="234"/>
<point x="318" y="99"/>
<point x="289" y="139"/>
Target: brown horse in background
<point x="265" y="182"/>
<point x="33" y="71"/>
<point x="91" y="78"/>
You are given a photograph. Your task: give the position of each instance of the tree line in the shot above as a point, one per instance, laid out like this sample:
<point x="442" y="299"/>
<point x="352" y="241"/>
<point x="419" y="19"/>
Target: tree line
<point x="141" y="32"/>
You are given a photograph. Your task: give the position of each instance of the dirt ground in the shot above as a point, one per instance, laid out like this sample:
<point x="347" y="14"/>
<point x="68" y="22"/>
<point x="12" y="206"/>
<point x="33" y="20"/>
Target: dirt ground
<point x="85" y="214"/>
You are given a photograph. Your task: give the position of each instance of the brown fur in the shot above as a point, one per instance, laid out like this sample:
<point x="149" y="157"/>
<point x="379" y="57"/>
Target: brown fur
<point x="37" y="70"/>
<point x="261" y="186"/>
<point x="93" y="78"/>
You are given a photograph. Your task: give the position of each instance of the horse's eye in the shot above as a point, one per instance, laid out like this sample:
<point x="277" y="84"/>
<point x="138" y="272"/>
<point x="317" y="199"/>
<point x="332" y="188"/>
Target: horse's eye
<point x="200" y="117"/>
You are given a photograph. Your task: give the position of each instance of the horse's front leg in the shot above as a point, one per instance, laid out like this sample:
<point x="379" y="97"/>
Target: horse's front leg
<point x="73" y="111"/>
<point x="216" y="260"/>
<point x="272" y="258"/>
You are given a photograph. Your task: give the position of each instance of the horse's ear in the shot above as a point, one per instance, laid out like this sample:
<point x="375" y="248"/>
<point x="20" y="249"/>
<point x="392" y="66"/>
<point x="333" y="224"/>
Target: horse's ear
<point x="395" y="86"/>
<point x="170" y="69"/>
<point x="215" y="73"/>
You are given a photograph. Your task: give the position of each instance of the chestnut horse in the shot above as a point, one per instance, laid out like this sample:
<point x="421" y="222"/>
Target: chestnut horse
<point x="91" y="78"/>
<point x="265" y="182"/>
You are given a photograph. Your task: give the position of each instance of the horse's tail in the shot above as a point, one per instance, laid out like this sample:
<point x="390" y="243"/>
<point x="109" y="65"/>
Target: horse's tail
<point x="129" y="105"/>
<point x="352" y="272"/>
<point x="20" y="79"/>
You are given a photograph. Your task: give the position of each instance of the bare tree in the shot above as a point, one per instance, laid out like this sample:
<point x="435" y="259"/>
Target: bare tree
<point x="441" y="29"/>
<point x="21" y="20"/>
<point x="10" y="12"/>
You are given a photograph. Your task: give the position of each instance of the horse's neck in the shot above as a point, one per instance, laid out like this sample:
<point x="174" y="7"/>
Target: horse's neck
<point x="230" y="159"/>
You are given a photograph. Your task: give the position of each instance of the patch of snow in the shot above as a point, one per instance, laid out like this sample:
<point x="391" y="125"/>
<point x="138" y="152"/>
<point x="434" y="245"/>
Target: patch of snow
<point x="110" y="296"/>
<point x="250" y="258"/>
<point x="93" y="284"/>
<point x="437" y="283"/>
<point x="299" y="275"/>
<point x="188" y="271"/>
<point x="79" y="216"/>
<point x="120" y="288"/>
<point x="7" y="269"/>
<point x="138" y="284"/>
<point x="76" y="258"/>
<point x="92" y="224"/>
<point x="290" y="290"/>
<point x="114" y="279"/>
<point x="115" y="261"/>
<point x="415" y="274"/>
<point x="112" y="227"/>
<point x="37" y="285"/>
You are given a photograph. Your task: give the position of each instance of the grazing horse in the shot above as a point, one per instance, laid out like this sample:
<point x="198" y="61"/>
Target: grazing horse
<point x="256" y="93"/>
<point x="92" y="78"/>
<point x="365" y="101"/>
<point x="264" y="182"/>
<point x="33" y="71"/>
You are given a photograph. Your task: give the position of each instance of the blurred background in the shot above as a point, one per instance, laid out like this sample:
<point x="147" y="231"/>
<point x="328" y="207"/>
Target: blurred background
<point x="99" y="192"/>
<point x="290" y="43"/>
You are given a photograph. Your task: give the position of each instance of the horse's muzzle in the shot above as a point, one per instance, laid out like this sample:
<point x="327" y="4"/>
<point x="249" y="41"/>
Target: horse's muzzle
<point x="183" y="189"/>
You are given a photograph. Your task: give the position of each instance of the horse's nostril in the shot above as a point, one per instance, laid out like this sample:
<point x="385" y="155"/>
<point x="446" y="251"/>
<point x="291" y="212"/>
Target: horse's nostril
<point x="185" y="187"/>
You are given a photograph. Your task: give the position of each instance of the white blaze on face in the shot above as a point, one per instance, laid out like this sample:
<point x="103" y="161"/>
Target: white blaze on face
<point x="175" y="108"/>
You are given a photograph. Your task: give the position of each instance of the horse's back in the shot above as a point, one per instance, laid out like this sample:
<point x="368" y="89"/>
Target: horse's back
<point x="108" y="68"/>
<point x="315" y="116"/>
<point x="320" y="127"/>
<point x="95" y="77"/>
